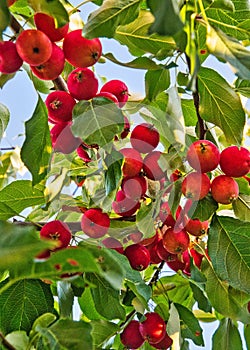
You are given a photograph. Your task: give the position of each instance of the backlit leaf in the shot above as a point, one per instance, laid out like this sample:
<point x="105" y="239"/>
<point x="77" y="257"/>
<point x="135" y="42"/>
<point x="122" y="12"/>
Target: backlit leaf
<point x="102" y="331"/>
<point x="227" y="336"/>
<point x="4" y="119"/>
<point x="156" y="81"/>
<point x="53" y="8"/>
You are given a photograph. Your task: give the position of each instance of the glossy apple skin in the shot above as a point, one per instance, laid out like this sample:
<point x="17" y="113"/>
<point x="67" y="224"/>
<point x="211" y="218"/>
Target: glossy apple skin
<point x="52" y="68"/>
<point x="56" y="230"/>
<point x="62" y="139"/>
<point x="151" y="167"/>
<point x="224" y="189"/>
<point x="195" y="186"/>
<point x="131" y="337"/>
<point x="203" y="156"/>
<point x="108" y="95"/>
<point x="10" y="61"/>
<point x="117" y="88"/>
<point x="124" y="206"/>
<point x="33" y="46"/>
<point x="82" y="84"/>
<point x="138" y="256"/>
<point x="60" y="105"/>
<point x="153" y="328"/>
<point x="79" y="51"/>
<point x="175" y="242"/>
<point x="144" y="138"/>
<point x="113" y="243"/>
<point x="196" y="227"/>
<point x="235" y="161"/>
<point x="46" y="24"/>
<point x="95" y="223"/>
<point x="134" y="187"/>
<point x="164" y="344"/>
<point x="132" y="162"/>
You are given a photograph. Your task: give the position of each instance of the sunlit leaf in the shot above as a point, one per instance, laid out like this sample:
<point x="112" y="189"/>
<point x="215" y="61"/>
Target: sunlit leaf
<point x="102" y="331"/>
<point x="4" y="119"/>
<point x="53" y="8"/>
<point x="156" y="81"/>
<point x="5" y="16"/>
<point x="243" y="87"/>
<point x="227" y="336"/>
<point x="241" y="207"/>
<point x="137" y="63"/>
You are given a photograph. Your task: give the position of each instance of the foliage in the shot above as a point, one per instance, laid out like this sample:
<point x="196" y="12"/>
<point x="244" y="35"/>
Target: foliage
<point x="186" y="99"/>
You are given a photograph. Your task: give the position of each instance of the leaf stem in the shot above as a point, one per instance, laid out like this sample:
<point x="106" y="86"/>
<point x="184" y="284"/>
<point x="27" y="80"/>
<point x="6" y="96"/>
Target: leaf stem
<point x="6" y="343"/>
<point x="79" y="5"/>
<point x="203" y="12"/>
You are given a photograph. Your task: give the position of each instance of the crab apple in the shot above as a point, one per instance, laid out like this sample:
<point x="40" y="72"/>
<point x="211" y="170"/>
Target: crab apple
<point x="135" y="237"/>
<point x="151" y="245"/>
<point x="175" y="176"/>
<point x="195" y="186"/>
<point x="164" y="344"/>
<point x="83" y="154"/>
<point x="164" y="211"/>
<point x="144" y="138"/>
<point x="172" y="260"/>
<point x="151" y="166"/>
<point x="196" y="227"/>
<point x="123" y="205"/>
<point x="56" y="230"/>
<point x="126" y="128"/>
<point x="113" y="243"/>
<point x="197" y="257"/>
<point x="10" y="61"/>
<point x="52" y="68"/>
<point x="175" y="241"/>
<point x="95" y="223"/>
<point x="62" y="139"/>
<point x="132" y="162"/>
<point x="235" y="161"/>
<point x="153" y="328"/>
<point x="224" y="189"/>
<point x="134" y="187"/>
<point x="82" y="84"/>
<point x="131" y="337"/>
<point x="10" y="2"/>
<point x="108" y="95"/>
<point x="117" y="88"/>
<point x="46" y="24"/>
<point x="138" y="256"/>
<point x="33" y="46"/>
<point x="79" y="51"/>
<point x="203" y="156"/>
<point x="60" y="105"/>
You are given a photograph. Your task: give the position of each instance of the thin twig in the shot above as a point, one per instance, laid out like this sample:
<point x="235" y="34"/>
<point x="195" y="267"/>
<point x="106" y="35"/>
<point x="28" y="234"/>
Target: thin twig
<point x="156" y="275"/>
<point x="60" y="84"/>
<point x="6" y="343"/>
<point x="196" y="99"/>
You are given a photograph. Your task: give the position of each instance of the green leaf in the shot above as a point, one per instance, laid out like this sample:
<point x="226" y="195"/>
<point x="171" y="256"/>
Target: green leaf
<point x="189" y="112"/>
<point x="167" y="17"/>
<point x="97" y="122"/>
<point x="53" y="8"/>
<point x="222" y="4"/>
<point x="247" y="335"/>
<point x="87" y="305"/>
<point x="156" y="81"/>
<point x="203" y="302"/>
<point x="5" y="166"/>
<point x="65" y="298"/>
<point x="106" y="298"/>
<point x="4" y="119"/>
<point x="233" y="23"/>
<point x="22" y="303"/>
<point x="18" y="339"/>
<point x="18" y="246"/>
<point x="67" y="334"/>
<point x="141" y="290"/>
<point x="102" y="331"/>
<point x="230" y="50"/>
<point x="145" y="220"/>
<point x="228" y="243"/>
<point x="243" y="87"/>
<point x="137" y="63"/>
<point x="112" y="13"/>
<point x="223" y="298"/>
<point x="4" y="78"/>
<point x="17" y="196"/>
<point x="135" y="36"/>
<point x="226" y="336"/>
<point x="227" y="112"/>
<point x="36" y="150"/>
<point x="190" y="327"/>
<point x="5" y="17"/>
<point x="21" y="7"/>
<point x="113" y="174"/>
<point x="203" y="209"/>
<point x="241" y="207"/>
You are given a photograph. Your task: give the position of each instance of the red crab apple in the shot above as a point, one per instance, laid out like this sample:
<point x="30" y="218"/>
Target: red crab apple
<point x="113" y="243"/>
<point x="138" y="256"/>
<point x="10" y="2"/>
<point x="95" y="223"/>
<point x="56" y="230"/>
<point x="195" y="186"/>
<point x="196" y="227"/>
<point x="224" y="189"/>
<point x="108" y="95"/>
<point x="62" y="139"/>
<point x="144" y="138"/>
<point x="46" y="24"/>
<point x="235" y="161"/>
<point x="175" y="241"/>
<point x="131" y="337"/>
<point x="164" y="344"/>
<point x="117" y="88"/>
<point x="33" y="46"/>
<point x="135" y="237"/>
<point x="83" y="154"/>
<point x="126" y="128"/>
<point x="203" y="156"/>
<point x="10" y="61"/>
<point x="79" y="51"/>
<point x="173" y="260"/>
<point x="151" y="166"/>
<point x="153" y="328"/>
<point x="60" y="105"/>
<point x="82" y="84"/>
<point x="132" y="162"/>
<point x="52" y="68"/>
<point x="197" y="257"/>
<point x="123" y="205"/>
<point x="134" y="187"/>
